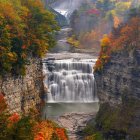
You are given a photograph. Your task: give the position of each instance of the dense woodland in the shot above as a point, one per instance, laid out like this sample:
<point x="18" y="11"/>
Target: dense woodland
<point x="94" y="19"/>
<point x="123" y="38"/>
<point x="26" y="29"/>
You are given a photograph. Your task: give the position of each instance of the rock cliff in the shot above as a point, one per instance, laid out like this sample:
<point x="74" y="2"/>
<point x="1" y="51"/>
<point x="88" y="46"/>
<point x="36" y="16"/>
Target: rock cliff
<point x="121" y="76"/>
<point x="23" y="93"/>
<point x="119" y="94"/>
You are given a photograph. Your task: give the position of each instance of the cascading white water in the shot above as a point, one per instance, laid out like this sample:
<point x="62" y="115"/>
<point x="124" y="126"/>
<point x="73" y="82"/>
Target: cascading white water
<point x="70" y="80"/>
<point x="66" y="7"/>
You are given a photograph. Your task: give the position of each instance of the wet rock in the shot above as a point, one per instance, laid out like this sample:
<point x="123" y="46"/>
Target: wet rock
<point x="74" y="123"/>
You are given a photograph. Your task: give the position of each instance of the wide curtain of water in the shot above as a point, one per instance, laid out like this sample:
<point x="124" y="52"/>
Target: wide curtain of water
<point x="70" y="80"/>
<point x="70" y="84"/>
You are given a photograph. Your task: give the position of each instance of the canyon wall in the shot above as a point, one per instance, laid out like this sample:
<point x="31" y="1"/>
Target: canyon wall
<point x="23" y="93"/>
<point x="119" y="94"/>
<point x="120" y="77"/>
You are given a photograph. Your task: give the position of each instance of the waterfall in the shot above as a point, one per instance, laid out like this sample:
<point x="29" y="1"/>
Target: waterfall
<point x="70" y="80"/>
<point x="66" y="7"/>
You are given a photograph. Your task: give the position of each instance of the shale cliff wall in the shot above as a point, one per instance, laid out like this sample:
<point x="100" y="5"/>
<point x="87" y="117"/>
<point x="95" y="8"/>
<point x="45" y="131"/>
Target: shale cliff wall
<point x="23" y="93"/>
<point x="120" y="77"/>
<point x="119" y="94"/>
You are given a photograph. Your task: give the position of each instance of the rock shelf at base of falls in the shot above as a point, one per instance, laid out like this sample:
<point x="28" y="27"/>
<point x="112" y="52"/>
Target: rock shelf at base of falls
<point x="74" y="123"/>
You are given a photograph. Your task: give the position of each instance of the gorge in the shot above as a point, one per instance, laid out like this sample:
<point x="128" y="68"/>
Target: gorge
<point x="71" y="96"/>
<point x="118" y="91"/>
<point x="70" y="69"/>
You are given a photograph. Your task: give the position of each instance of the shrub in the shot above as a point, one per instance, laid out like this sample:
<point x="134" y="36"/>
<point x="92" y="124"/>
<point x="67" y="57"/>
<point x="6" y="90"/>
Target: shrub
<point x="20" y="127"/>
<point x="72" y="41"/>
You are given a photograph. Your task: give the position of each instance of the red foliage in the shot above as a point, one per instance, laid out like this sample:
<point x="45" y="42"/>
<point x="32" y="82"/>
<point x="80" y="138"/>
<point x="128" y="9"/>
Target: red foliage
<point x="14" y="118"/>
<point x="2" y="103"/>
<point x="60" y="132"/>
<point x="24" y="47"/>
<point x="98" y="65"/>
<point x="93" y="11"/>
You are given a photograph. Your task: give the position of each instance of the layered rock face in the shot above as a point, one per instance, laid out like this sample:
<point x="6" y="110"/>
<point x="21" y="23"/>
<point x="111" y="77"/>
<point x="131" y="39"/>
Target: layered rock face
<point x="23" y="93"/>
<point x="120" y="77"/>
<point x="119" y="94"/>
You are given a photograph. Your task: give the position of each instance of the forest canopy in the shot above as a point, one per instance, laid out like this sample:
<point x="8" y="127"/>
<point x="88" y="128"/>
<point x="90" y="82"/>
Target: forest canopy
<point x="125" y="37"/>
<point x="26" y="29"/>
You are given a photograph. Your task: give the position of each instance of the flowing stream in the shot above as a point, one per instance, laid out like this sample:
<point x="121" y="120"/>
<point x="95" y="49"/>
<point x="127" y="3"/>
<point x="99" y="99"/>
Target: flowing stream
<point x="71" y="99"/>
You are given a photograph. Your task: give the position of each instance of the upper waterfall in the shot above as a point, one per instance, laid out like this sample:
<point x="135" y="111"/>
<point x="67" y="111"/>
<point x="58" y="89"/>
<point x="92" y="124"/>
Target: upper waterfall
<point x="66" y="7"/>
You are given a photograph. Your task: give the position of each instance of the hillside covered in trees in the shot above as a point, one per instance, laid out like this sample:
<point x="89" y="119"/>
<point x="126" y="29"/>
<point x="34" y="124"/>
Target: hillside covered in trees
<point x="26" y="29"/>
<point x="96" y="18"/>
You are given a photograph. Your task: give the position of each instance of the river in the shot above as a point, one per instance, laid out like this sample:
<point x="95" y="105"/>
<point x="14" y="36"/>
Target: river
<point x="71" y="97"/>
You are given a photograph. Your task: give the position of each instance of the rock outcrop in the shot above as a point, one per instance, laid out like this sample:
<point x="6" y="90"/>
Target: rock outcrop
<point x="75" y="123"/>
<point x="120" y="77"/>
<point x="23" y="93"/>
<point x="119" y="94"/>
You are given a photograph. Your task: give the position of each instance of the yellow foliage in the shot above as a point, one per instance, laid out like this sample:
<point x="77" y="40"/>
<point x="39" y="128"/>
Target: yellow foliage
<point x="105" y="41"/>
<point x="121" y="7"/>
<point x="93" y="137"/>
<point x="12" y="56"/>
<point x="73" y="41"/>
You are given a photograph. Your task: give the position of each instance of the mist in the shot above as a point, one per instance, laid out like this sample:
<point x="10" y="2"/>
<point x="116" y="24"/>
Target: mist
<point x="66" y="7"/>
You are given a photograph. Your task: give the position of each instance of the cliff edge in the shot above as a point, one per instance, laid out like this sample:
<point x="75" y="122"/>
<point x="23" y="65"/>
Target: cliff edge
<point x="24" y="93"/>
<point x="117" y="73"/>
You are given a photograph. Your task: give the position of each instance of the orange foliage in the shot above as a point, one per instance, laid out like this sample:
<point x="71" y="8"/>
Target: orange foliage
<point x="124" y="37"/>
<point x="104" y="54"/>
<point x="61" y="133"/>
<point x="45" y="130"/>
<point x="19" y="33"/>
<point x="90" y="39"/>
<point x="128" y="36"/>
<point x="14" y="118"/>
<point x="105" y="41"/>
<point x="98" y="65"/>
<point x="117" y="21"/>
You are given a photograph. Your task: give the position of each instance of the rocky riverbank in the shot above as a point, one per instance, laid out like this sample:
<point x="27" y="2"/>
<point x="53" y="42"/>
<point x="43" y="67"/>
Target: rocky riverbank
<point x="74" y="123"/>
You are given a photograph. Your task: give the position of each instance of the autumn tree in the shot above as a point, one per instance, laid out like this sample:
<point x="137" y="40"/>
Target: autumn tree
<point x="26" y="29"/>
<point x="124" y="37"/>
